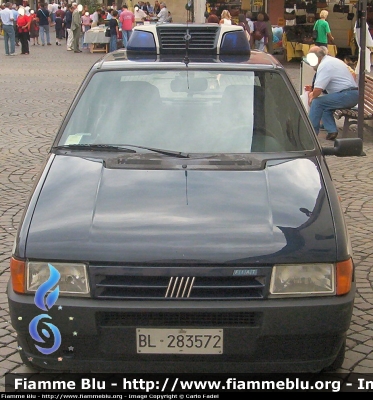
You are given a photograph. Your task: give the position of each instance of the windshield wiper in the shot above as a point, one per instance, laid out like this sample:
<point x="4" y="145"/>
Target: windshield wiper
<point x="124" y="147"/>
<point x="88" y="146"/>
<point x="161" y="151"/>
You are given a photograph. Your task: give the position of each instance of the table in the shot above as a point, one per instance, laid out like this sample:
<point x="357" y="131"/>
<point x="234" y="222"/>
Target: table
<point x="95" y="37"/>
<point x="332" y="49"/>
<point x="299" y="50"/>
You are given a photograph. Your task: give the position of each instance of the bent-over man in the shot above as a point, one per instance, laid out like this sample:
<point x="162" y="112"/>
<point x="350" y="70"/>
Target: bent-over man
<point x="334" y="79"/>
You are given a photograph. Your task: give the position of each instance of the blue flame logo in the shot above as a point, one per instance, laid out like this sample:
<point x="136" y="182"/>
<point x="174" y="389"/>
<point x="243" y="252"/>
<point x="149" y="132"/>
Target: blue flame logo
<point x="50" y="299"/>
<point x="33" y="329"/>
<point x="43" y="289"/>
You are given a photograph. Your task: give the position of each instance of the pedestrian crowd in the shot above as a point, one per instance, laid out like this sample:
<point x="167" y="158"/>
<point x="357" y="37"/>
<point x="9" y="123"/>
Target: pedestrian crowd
<point x="23" y="26"/>
<point x="258" y="29"/>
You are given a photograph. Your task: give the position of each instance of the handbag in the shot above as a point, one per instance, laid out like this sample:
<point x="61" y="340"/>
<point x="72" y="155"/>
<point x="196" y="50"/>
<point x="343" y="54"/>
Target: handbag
<point x="293" y="33"/>
<point x="50" y="23"/>
<point x="257" y="35"/>
<point x="107" y="32"/>
<point x="314" y="32"/>
<point x="300" y="4"/>
<point x="301" y="19"/>
<point x="307" y="37"/>
<point x="311" y="8"/>
<point x="341" y="9"/>
<point x="289" y="16"/>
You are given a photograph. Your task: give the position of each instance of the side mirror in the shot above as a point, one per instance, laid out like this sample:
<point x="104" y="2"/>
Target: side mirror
<point x="345" y="148"/>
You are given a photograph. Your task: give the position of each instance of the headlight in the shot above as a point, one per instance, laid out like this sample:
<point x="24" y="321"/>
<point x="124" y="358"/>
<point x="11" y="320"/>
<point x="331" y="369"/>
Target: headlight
<point x="303" y="280"/>
<point x="73" y="279"/>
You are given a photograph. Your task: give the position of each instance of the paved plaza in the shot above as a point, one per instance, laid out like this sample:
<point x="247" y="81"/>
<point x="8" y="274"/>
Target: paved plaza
<point x="35" y="92"/>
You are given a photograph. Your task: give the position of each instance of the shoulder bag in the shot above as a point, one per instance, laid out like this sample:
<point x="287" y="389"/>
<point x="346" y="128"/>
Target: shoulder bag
<point x="289" y="16"/>
<point x="48" y="18"/>
<point x="314" y="32"/>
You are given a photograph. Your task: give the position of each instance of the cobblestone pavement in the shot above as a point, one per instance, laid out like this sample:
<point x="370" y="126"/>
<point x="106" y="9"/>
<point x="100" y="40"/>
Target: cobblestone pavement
<point x="35" y="93"/>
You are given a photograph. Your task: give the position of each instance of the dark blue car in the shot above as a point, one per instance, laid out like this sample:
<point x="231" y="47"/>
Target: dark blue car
<point x="185" y="219"/>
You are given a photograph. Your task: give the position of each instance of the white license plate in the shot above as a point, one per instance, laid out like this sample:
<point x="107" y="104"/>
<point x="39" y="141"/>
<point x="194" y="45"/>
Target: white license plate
<point x="179" y="341"/>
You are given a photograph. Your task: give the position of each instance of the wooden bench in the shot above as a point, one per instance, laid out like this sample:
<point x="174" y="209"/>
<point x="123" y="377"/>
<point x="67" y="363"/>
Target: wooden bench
<point x="351" y="114"/>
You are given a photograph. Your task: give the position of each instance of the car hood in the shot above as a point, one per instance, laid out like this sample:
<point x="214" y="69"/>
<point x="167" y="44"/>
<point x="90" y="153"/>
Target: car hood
<point x="88" y="212"/>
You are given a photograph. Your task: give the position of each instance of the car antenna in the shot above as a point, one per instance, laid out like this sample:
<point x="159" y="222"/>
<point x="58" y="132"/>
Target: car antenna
<point x="187" y="38"/>
<point x="186" y="186"/>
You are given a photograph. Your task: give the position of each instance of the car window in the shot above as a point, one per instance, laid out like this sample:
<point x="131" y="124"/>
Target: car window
<point x="190" y="111"/>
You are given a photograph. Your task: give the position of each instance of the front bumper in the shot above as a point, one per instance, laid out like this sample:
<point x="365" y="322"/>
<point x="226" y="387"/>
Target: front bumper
<point x="282" y="335"/>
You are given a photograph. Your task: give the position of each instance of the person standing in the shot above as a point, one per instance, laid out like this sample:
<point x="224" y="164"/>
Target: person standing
<point x="50" y="9"/>
<point x="55" y="7"/>
<point x="150" y="8"/>
<point x="143" y="6"/>
<point x="322" y="27"/>
<point x="44" y="21"/>
<point x="23" y="26"/>
<point x="7" y="20"/>
<point x="213" y="18"/>
<point x="225" y="18"/>
<point x="114" y="30"/>
<point x="341" y="91"/>
<point x="15" y="16"/>
<point x="140" y="15"/>
<point x="163" y="14"/>
<point x="243" y="22"/>
<point x="69" y="32"/>
<point x="60" y="30"/>
<point x="156" y="8"/>
<point x="86" y="26"/>
<point x="108" y="14"/>
<point x="95" y="17"/>
<point x="270" y="33"/>
<point x="34" y="28"/>
<point x="127" y="21"/>
<point x="260" y="34"/>
<point x="102" y="17"/>
<point x="249" y="19"/>
<point x="76" y="28"/>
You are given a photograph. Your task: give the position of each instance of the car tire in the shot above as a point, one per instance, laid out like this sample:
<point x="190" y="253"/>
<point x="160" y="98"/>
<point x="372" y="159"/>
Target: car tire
<point x="338" y="362"/>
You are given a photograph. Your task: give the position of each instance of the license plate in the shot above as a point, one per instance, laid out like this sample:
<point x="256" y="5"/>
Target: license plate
<point x="179" y="341"/>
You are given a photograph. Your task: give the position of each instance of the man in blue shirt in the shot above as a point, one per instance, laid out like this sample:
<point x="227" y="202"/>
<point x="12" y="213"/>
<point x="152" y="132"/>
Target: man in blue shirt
<point x="7" y="20"/>
<point x="44" y="21"/>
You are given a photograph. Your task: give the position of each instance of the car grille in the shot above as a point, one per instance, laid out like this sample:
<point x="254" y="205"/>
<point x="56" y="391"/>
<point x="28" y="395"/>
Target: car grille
<point x="226" y="319"/>
<point x="202" y="38"/>
<point x="179" y="283"/>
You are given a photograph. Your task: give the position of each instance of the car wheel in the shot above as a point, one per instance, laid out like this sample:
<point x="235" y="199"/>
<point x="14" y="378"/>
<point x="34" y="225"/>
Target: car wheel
<point x="338" y="362"/>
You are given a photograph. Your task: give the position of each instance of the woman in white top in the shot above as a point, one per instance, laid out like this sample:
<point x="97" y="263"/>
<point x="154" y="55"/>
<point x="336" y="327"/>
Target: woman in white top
<point x="226" y="18"/>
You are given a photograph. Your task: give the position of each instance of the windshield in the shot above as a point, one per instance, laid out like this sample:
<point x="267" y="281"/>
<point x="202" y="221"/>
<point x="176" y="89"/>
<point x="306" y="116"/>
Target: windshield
<point x="189" y="112"/>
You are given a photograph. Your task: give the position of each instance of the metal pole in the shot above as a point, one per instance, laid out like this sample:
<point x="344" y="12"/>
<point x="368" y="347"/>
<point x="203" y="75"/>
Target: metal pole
<point x="199" y="11"/>
<point x="361" y="23"/>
